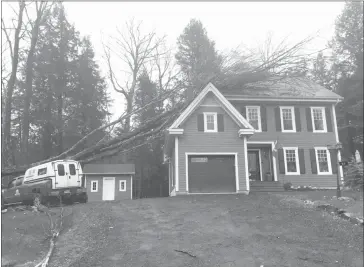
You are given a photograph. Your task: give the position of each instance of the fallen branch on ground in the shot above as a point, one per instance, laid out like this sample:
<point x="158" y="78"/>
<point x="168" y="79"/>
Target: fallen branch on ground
<point x="54" y="231"/>
<point x="185" y="252"/>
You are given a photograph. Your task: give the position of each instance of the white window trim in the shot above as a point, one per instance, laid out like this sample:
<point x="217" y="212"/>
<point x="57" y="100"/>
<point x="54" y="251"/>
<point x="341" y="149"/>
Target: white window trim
<point x="293" y="119"/>
<point x="97" y="186"/>
<point x="122" y="181"/>
<point x="323" y="117"/>
<point x="205" y="122"/>
<point x="328" y="161"/>
<point x="259" y="116"/>
<point x="298" y="172"/>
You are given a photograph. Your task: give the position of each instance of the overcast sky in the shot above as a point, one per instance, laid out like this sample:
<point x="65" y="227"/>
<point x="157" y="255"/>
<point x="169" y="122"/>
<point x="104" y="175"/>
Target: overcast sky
<point x="228" y="24"/>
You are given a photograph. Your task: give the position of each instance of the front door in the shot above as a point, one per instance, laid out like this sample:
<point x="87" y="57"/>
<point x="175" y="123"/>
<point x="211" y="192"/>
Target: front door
<point x="254" y="165"/>
<point x="108" y="188"/>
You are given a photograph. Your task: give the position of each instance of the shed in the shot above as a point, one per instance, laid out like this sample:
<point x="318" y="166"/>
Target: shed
<point x="109" y="181"/>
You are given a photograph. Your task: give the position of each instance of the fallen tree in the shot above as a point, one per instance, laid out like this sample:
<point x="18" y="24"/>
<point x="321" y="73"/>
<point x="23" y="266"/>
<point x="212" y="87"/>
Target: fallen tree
<point x="240" y="71"/>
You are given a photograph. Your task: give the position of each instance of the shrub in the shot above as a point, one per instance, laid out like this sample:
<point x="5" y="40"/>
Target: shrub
<point x="287" y="186"/>
<point x="354" y="174"/>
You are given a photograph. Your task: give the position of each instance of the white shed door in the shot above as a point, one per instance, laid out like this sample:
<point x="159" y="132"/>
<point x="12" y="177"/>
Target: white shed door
<point x="108" y="188"/>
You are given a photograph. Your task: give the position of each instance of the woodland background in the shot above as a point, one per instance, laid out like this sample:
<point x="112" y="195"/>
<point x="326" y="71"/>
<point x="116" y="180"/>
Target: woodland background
<point x="55" y="102"/>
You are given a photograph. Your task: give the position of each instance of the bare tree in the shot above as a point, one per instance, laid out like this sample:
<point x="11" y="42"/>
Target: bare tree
<point x="134" y="49"/>
<point x="14" y="55"/>
<point x="35" y="26"/>
<point x="241" y="74"/>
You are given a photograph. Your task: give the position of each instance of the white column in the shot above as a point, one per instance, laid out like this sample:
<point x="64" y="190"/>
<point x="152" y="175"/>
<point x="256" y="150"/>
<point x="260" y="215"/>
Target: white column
<point x="176" y="163"/>
<point x="340" y="170"/>
<point x="246" y="163"/>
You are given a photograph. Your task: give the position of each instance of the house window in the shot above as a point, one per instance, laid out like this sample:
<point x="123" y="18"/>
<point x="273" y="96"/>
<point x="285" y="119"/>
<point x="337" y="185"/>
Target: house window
<point x="210" y="120"/>
<point x="318" y="119"/>
<point x="253" y="117"/>
<point x="122" y="185"/>
<point x="291" y="160"/>
<point x="288" y="119"/>
<point x="323" y="160"/>
<point x="94" y="186"/>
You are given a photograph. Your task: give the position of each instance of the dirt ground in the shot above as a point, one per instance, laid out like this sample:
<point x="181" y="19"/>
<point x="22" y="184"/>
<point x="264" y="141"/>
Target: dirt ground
<point x="210" y="230"/>
<point x="353" y="206"/>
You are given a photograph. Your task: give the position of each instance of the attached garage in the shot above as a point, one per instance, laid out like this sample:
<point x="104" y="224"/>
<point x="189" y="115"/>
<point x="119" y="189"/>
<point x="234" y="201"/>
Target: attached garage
<point x="108" y="182"/>
<point x="211" y="173"/>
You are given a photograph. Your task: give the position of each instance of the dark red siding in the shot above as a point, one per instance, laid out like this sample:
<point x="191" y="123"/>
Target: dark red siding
<point x="304" y="140"/>
<point x="226" y="141"/>
<point x="119" y="195"/>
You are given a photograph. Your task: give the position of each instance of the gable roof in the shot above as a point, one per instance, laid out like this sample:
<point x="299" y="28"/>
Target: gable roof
<point x="109" y="169"/>
<point x="288" y="88"/>
<point x="226" y="105"/>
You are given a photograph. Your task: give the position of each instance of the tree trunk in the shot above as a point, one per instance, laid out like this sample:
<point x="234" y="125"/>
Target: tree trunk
<point x="48" y="129"/>
<point x="29" y="89"/>
<point x="10" y="88"/>
<point x="61" y="84"/>
<point x="59" y="124"/>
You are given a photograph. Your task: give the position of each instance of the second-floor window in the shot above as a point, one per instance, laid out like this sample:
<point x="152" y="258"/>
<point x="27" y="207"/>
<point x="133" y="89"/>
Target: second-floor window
<point x="318" y="119"/>
<point x="288" y="119"/>
<point x="253" y="117"/>
<point x="210" y="120"/>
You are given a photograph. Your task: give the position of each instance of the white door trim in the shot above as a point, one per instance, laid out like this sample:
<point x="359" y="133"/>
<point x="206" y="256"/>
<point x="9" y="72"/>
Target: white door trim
<point x="260" y="161"/>
<point x="272" y="143"/>
<point x="103" y="186"/>
<point x="212" y="154"/>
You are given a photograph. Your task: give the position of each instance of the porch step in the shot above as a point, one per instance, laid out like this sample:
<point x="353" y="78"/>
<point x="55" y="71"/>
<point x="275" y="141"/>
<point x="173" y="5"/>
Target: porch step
<point x="266" y="186"/>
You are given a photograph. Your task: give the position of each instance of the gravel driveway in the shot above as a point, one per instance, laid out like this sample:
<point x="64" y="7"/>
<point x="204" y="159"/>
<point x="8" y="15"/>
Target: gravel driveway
<point x="209" y="230"/>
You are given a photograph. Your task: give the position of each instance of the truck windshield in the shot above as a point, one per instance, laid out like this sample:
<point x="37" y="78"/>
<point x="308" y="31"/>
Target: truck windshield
<point x="60" y="168"/>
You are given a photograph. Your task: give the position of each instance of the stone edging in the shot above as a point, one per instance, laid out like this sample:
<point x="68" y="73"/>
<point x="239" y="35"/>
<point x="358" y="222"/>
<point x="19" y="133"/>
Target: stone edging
<point x="340" y="213"/>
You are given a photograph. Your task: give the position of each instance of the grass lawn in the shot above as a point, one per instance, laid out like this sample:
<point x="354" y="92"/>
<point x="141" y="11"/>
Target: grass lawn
<point x="24" y="235"/>
<point x="210" y="230"/>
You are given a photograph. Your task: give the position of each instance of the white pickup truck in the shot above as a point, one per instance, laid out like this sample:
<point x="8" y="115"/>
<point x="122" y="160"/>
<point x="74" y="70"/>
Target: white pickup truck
<point x="45" y="183"/>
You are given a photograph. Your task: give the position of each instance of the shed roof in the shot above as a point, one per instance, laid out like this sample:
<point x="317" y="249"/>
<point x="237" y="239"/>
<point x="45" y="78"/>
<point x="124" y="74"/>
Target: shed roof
<point x="109" y="169"/>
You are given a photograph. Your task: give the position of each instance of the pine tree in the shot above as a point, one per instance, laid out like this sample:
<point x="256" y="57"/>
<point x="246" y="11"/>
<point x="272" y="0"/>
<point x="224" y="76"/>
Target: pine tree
<point x="197" y="57"/>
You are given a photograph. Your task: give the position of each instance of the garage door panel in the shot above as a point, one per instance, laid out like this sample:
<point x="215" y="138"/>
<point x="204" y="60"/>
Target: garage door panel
<point x="211" y="174"/>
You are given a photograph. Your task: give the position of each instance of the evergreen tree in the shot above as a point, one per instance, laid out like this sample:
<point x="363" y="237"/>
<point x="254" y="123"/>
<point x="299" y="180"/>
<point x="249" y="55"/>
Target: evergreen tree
<point x="197" y="57"/>
<point x="347" y="46"/>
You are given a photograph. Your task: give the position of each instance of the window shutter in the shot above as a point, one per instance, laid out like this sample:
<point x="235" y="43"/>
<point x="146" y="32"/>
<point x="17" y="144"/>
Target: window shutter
<point x="243" y="111"/>
<point x="333" y="156"/>
<point x="200" y="123"/>
<point x="281" y="161"/>
<point x="298" y="119"/>
<point x="313" y="161"/>
<point x="301" y="158"/>
<point x="309" y="120"/>
<point x="220" y="122"/>
<point x="263" y="117"/>
<point x="328" y="119"/>
<point x="278" y="119"/>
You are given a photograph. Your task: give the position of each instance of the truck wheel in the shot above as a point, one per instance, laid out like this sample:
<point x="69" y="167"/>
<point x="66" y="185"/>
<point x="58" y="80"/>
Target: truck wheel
<point x="37" y="200"/>
<point x="84" y="199"/>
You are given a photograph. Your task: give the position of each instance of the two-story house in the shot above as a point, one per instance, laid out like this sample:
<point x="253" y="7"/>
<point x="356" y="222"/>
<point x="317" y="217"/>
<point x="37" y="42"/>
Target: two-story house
<point x="241" y="141"/>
